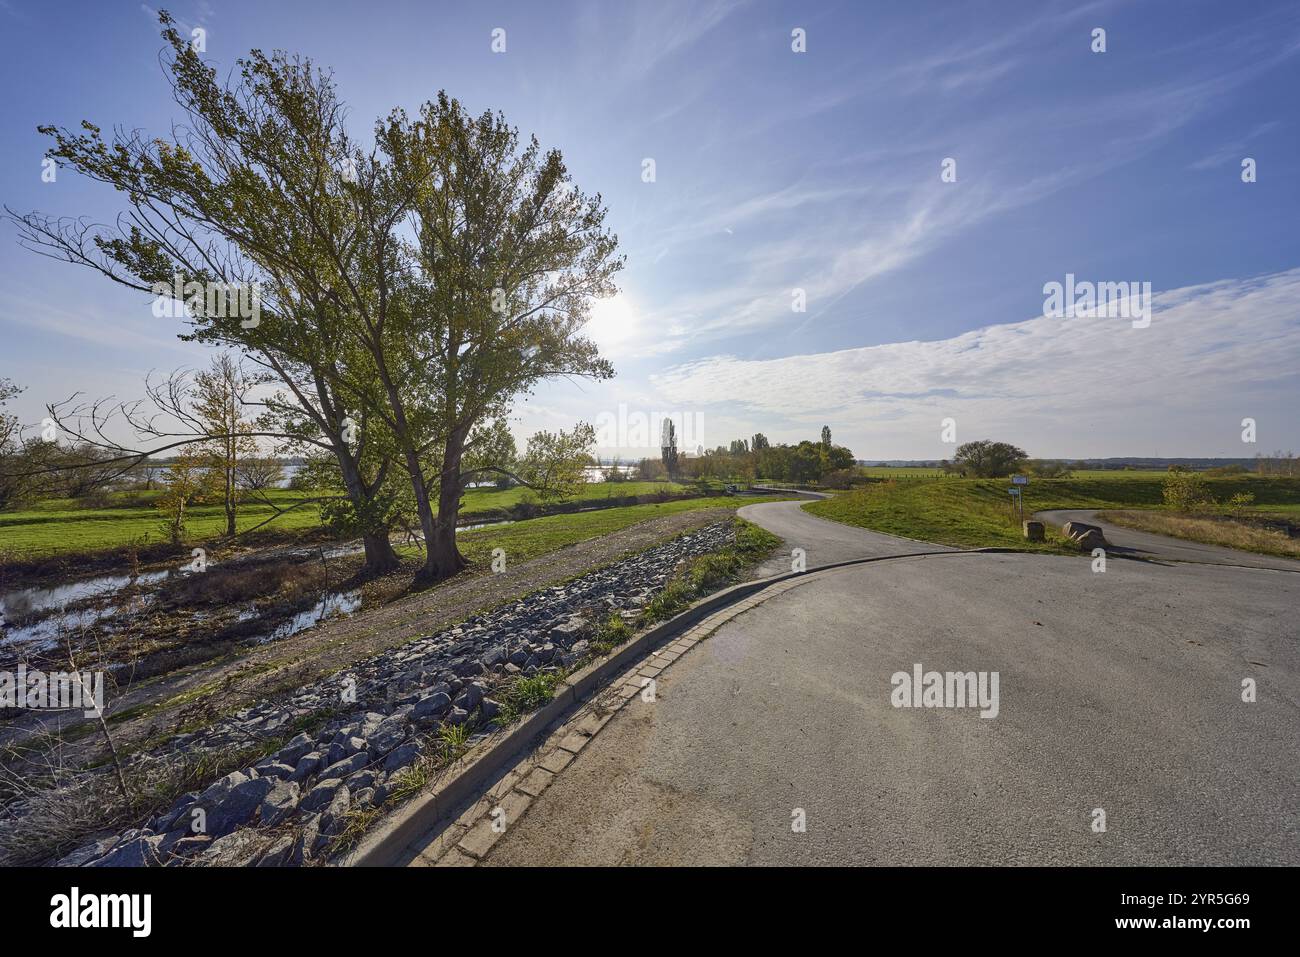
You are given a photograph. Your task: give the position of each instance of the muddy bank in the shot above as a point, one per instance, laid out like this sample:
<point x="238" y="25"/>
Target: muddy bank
<point x="147" y="622"/>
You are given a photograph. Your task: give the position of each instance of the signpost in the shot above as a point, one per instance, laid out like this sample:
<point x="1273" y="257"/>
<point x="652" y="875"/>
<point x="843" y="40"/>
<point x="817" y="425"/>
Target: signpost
<point x="1017" y="500"/>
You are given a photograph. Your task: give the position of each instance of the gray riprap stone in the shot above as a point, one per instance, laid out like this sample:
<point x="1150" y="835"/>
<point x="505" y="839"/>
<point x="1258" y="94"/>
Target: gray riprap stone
<point x="237" y="849"/>
<point x="362" y="779"/>
<point x="342" y="769"/>
<point x="388" y="735"/>
<point x="321" y="795"/>
<point x="434" y="706"/>
<point x="307" y="765"/>
<point x="84" y="855"/>
<point x="277" y="855"/>
<point x="166" y="821"/>
<point x="217" y="791"/>
<point x="470" y="697"/>
<point x="403" y="756"/>
<point x="279" y="803"/>
<point x="335" y="816"/>
<point x="140" y="851"/>
<point x="292" y="752"/>
<point x="304" y="841"/>
<point x="237" y="806"/>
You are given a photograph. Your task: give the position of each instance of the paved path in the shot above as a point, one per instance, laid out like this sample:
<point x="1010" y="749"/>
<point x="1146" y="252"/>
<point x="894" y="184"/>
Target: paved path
<point x="1139" y="544"/>
<point x="1119" y="691"/>
<point x="824" y="542"/>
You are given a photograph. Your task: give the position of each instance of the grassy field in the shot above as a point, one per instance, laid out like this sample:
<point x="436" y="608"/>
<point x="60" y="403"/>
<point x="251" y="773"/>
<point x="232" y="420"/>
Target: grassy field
<point x="914" y="472"/>
<point x="529" y="539"/>
<point x="61" y="525"/>
<point x="975" y="513"/>
<point x="901" y="471"/>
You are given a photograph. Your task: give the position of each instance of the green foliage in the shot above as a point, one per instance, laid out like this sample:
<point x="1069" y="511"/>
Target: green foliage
<point x="409" y="292"/>
<point x="1240" y="502"/>
<point x="453" y="739"/>
<point x="1047" y="469"/>
<point x="553" y="462"/>
<point x="988" y="459"/>
<point x="1186" y="491"/>
<point x="527" y="694"/>
<point x="187" y="482"/>
<point x="610" y="633"/>
<point x="709" y="572"/>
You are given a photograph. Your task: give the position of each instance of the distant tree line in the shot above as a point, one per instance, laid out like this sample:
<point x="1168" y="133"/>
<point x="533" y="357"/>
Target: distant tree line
<point x="751" y="459"/>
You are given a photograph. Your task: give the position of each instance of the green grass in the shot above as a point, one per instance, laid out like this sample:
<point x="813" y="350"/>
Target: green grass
<point x="529" y="539"/>
<point x="1210" y="528"/>
<point x="478" y="500"/>
<point x="900" y="471"/>
<point x="912" y="471"/>
<point x="58" y="526"/>
<point x="976" y="513"/>
<point x="1120" y="474"/>
<point x="710" y="572"/>
<point x="526" y="694"/>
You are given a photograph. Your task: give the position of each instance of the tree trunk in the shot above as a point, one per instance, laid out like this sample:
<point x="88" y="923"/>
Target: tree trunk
<point x="380" y="557"/>
<point x="230" y="504"/>
<point x="442" y="558"/>
<point x="435" y="569"/>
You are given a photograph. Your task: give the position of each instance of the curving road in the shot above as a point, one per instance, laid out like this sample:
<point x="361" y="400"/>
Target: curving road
<point x="1119" y="691"/>
<point x="823" y="541"/>
<point x="1147" y="545"/>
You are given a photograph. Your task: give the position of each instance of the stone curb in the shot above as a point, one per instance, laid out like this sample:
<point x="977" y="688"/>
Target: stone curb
<point x="389" y="843"/>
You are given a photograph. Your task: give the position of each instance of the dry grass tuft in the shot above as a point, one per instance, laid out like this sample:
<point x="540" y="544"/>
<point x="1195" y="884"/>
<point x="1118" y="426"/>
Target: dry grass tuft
<point x="1243" y="534"/>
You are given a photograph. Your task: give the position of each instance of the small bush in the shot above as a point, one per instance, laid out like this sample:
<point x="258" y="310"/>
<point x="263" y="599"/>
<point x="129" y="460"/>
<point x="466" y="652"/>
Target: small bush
<point x="1239" y="503"/>
<point x="1186" y="491"/>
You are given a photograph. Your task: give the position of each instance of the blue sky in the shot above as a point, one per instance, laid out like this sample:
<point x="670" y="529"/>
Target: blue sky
<point x="777" y="170"/>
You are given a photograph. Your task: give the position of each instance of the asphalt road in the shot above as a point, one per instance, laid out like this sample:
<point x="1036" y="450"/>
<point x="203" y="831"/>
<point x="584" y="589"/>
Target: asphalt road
<point x="824" y="542"/>
<point x="1119" y="691"/>
<point x="1138" y="544"/>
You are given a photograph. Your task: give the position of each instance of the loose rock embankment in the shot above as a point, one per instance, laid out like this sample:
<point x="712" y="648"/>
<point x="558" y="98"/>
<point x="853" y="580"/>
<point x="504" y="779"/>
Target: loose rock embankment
<point x="394" y="709"/>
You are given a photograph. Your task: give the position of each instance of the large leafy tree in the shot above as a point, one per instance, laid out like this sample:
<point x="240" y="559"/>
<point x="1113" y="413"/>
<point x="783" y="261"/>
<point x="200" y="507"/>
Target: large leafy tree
<point x="988" y="459"/>
<point x="407" y="294"/>
<point x="495" y="291"/>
